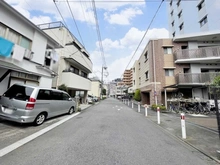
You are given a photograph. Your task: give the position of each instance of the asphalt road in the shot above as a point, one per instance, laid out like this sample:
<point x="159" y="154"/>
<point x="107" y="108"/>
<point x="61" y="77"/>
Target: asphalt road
<point x="106" y="134"/>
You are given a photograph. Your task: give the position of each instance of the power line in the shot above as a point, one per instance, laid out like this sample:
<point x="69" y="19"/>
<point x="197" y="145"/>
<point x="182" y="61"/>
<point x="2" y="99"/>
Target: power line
<point x="145" y="34"/>
<point x="70" y="33"/>
<point x="75" y="23"/>
<point x="98" y="33"/>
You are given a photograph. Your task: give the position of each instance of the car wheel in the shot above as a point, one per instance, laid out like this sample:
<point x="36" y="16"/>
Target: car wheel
<point x="71" y="111"/>
<point x="40" y="119"/>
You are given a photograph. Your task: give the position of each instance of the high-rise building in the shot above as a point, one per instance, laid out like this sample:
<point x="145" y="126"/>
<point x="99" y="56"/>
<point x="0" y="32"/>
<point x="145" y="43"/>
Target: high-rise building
<point x="188" y="17"/>
<point x="127" y="77"/>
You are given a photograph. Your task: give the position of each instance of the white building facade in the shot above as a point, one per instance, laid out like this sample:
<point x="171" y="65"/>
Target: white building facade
<point x="74" y="65"/>
<point x="22" y="51"/>
<point x="187" y="17"/>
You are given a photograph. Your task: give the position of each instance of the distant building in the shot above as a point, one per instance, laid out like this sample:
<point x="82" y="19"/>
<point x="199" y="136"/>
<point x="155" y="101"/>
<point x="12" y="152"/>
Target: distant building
<point x="95" y="88"/>
<point x="127" y="77"/>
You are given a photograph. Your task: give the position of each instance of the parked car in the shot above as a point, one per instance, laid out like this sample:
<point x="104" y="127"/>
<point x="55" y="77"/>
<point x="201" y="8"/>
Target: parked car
<point x="95" y="99"/>
<point x="90" y="99"/>
<point x="27" y="104"/>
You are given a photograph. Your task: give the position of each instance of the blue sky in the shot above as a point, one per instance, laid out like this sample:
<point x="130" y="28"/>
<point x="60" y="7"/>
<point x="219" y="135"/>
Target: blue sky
<point x="122" y="25"/>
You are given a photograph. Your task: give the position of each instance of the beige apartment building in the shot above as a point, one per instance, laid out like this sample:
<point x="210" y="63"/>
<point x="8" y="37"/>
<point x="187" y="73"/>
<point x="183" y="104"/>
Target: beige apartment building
<point x="156" y="69"/>
<point x="127" y="77"/>
<point x="186" y="65"/>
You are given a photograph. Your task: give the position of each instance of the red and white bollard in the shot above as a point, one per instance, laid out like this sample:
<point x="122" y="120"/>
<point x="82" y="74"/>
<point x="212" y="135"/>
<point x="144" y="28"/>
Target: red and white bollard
<point x="183" y="125"/>
<point x="158" y="115"/>
<point x="139" y="107"/>
<point x="145" y="106"/>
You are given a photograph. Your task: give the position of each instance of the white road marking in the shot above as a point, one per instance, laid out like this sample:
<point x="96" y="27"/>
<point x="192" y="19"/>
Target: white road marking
<point x="118" y="109"/>
<point x="198" y="115"/>
<point x="21" y="142"/>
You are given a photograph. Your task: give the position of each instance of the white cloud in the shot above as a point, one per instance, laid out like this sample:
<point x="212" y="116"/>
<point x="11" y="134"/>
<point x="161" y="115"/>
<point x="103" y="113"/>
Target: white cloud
<point x="124" y="17"/>
<point x="112" y="6"/>
<point x="108" y="44"/>
<point x="128" y="44"/>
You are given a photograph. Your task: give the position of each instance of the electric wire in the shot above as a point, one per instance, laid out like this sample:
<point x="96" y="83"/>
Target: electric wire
<point x="98" y="33"/>
<point x="75" y="23"/>
<point x="71" y="34"/>
<point x="144" y="35"/>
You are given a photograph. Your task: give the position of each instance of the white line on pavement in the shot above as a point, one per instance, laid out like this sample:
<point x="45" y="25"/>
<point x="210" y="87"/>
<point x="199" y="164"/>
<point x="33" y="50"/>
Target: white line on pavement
<point x="21" y="142"/>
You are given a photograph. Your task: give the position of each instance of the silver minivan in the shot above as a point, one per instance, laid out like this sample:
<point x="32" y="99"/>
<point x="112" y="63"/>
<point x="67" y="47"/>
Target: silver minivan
<point x="27" y="104"/>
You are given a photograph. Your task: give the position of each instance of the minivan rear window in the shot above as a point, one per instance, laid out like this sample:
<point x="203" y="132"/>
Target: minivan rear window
<point x="19" y="92"/>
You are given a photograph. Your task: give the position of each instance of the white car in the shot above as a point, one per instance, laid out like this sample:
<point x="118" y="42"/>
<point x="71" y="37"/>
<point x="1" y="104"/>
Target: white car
<point x="90" y="99"/>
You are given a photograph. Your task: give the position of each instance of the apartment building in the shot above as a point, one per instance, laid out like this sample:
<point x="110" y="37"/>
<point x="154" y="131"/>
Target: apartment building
<point x="74" y="64"/>
<point x="188" y="17"/>
<point x="127" y="77"/>
<point x="22" y="51"/>
<point x="156" y="69"/>
<point x="112" y="89"/>
<point x="202" y="55"/>
<point x="95" y="88"/>
<point x="184" y="65"/>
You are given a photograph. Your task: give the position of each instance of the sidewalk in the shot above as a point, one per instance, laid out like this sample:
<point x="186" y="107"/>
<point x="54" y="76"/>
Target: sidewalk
<point x="201" y="131"/>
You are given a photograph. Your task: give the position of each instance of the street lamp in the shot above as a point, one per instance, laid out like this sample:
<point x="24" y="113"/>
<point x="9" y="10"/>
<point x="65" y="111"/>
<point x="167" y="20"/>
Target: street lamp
<point x="101" y="95"/>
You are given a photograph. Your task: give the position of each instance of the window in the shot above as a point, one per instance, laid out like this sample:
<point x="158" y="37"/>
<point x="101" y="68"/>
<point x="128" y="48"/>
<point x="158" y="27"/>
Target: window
<point x="83" y="74"/>
<point x="75" y="70"/>
<point x="139" y="81"/>
<point x="57" y="95"/>
<point x="47" y="60"/>
<point x="171" y="2"/>
<point x="181" y="26"/>
<point x="43" y="94"/>
<point x="146" y="56"/>
<point x="172" y="24"/>
<point x="25" y="42"/>
<point x="167" y="50"/>
<point x="2" y="30"/>
<point x="19" y="92"/>
<point x="65" y="96"/>
<point x="178" y="3"/>
<point x="174" y="34"/>
<point x="146" y="75"/>
<point x="169" y="72"/>
<point x="180" y="14"/>
<point x="134" y="82"/>
<point x="203" y="21"/>
<point x="139" y="65"/>
<point x="171" y="13"/>
<point x="201" y="5"/>
<point x="13" y="36"/>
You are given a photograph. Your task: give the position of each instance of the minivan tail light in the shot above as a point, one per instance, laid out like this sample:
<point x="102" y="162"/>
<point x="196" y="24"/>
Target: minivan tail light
<point x="31" y="103"/>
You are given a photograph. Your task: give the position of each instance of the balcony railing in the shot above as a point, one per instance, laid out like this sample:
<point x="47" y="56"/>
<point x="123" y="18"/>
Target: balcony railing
<point x="200" y="78"/>
<point x="197" y="53"/>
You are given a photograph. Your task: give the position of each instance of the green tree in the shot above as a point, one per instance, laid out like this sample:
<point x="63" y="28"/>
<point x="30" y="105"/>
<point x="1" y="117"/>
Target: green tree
<point x="63" y="87"/>
<point x="104" y="91"/>
<point x="137" y="95"/>
<point x="216" y="81"/>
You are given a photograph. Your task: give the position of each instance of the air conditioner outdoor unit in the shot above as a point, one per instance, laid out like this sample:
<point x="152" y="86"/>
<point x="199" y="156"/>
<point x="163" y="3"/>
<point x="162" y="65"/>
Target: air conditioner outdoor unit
<point x="28" y="54"/>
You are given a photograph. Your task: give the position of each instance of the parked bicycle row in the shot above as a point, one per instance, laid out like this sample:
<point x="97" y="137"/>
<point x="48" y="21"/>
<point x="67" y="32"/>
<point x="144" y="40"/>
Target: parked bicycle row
<point x="192" y="106"/>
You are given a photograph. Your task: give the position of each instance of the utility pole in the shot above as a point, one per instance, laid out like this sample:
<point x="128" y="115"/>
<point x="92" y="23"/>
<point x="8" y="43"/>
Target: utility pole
<point x="101" y="95"/>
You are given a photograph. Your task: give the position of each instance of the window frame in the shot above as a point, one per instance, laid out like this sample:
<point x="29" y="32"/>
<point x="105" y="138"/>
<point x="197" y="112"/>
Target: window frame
<point x="170" y="74"/>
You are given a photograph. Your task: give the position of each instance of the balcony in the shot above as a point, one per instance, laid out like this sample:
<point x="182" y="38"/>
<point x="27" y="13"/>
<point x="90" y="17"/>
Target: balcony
<point x="196" y="78"/>
<point x="201" y="55"/>
<point x="74" y="81"/>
